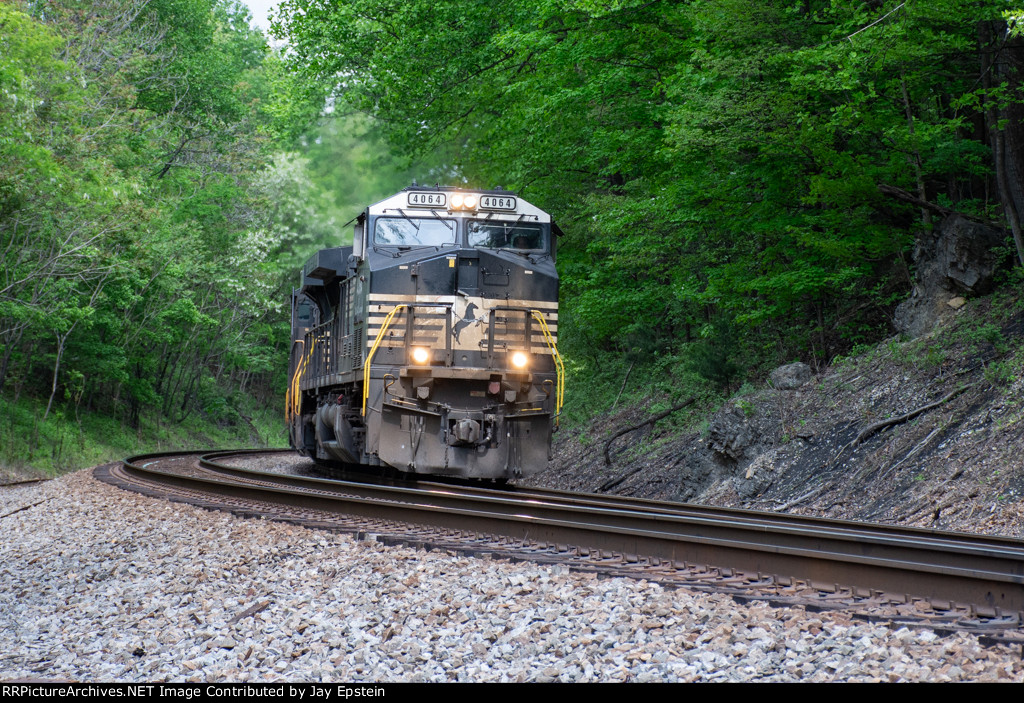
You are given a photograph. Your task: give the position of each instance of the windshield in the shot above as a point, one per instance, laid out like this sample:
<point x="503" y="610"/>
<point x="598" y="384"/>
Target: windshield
<point x="414" y="231"/>
<point x="505" y="235"/>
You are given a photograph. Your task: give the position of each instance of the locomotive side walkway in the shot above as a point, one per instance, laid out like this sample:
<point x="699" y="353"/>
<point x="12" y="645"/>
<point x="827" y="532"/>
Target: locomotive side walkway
<point x="102" y="584"/>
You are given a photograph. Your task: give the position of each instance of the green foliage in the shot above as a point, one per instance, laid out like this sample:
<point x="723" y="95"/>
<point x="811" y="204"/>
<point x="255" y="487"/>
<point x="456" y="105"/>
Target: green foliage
<point x="747" y="407"/>
<point x="1001" y="373"/>
<point x="935" y="355"/>
<point x="76" y="438"/>
<point x="135" y="224"/>
<point x="982" y="335"/>
<point x="715" y="163"/>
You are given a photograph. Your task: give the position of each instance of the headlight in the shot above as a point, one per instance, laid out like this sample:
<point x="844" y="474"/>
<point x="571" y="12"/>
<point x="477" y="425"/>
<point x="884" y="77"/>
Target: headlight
<point x="420" y="355"/>
<point x="519" y="359"/>
<point x="460" y="201"/>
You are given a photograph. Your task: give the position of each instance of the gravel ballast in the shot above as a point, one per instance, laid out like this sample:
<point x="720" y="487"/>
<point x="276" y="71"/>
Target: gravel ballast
<point x="97" y="584"/>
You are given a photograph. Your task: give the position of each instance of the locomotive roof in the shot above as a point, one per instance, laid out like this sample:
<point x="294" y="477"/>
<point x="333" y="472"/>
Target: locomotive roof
<point x="459" y="189"/>
<point x="400" y="201"/>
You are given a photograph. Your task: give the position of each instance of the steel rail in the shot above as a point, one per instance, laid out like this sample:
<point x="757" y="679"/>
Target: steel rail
<point x="1004" y="546"/>
<point x="987" y="573"/>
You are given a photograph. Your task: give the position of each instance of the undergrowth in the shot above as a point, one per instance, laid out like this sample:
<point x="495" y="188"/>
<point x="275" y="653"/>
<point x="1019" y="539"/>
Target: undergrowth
<point x="68" y="440"/>
<point x="599" y="386"/>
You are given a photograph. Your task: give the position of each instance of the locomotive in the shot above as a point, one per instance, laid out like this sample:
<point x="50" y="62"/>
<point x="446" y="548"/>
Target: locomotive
<point x="430" y="345"/>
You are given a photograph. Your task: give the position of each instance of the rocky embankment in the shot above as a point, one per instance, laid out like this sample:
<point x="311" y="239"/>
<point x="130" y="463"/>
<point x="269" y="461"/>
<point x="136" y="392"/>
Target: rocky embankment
<point x="928" y="432"/>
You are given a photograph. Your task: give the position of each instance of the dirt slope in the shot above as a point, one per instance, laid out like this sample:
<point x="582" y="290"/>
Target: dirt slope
<point x="956" y="466"/>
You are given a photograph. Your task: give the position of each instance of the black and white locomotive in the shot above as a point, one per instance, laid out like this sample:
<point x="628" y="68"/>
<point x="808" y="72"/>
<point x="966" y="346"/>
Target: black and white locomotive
<point x="430" y="344"/>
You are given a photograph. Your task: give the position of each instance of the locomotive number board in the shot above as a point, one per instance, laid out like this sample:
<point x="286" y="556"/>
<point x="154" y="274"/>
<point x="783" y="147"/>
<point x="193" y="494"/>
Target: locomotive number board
<point x="497" y="202"/>
<point x="421" y="199"/>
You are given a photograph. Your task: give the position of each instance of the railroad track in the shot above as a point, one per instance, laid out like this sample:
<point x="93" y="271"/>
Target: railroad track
<point x="942" y="579"/>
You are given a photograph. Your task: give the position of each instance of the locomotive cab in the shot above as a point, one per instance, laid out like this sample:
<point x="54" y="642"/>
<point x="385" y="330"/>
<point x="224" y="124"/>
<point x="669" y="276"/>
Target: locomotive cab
<point x="438" y="353"/>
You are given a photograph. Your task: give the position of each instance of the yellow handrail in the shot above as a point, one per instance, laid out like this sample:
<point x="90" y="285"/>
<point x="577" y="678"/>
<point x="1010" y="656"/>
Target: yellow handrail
<point x="559" y="366"/>
<point x="373" y="350"/>
<point x="293" y="399"/>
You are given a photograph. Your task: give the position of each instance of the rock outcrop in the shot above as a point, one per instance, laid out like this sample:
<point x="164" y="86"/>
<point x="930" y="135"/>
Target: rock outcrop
<point x="791" y="376"/>
<point x="957" y="259"/>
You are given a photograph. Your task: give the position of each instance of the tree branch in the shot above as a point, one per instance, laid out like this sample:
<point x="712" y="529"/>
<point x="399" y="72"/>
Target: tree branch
<point x="875" y="427"/>
<point x="648" y="421"/>
<point x="903" y="195"/>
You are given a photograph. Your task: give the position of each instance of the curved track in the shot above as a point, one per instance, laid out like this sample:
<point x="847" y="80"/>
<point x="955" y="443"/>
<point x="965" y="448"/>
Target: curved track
<point x="957" y="578"/>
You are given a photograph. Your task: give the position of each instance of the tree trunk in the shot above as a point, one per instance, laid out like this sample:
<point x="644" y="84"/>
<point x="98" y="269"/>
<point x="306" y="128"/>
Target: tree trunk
<point x="926" y="216"/>
<point x="12" y="340"/>
<point x="62" y="340"/>
<point x="1004" y="119"/>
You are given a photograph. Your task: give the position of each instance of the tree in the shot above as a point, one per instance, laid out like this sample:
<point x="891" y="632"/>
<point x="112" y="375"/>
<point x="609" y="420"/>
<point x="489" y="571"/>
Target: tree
<point x="719" y="164"/>
<point x="134" y="225"/>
